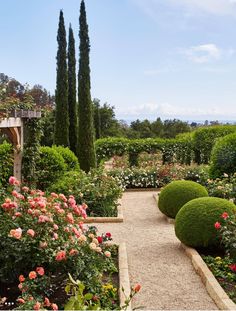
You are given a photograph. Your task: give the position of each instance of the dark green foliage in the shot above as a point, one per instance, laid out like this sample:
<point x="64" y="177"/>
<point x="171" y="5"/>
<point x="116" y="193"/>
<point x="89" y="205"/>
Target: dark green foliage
<point x="71" y="161"/>
<point x="73" y="109"/>
<point x="48" y="123"/>
<point x="31" y="151"/>
<point x="50" y="167"/>
<point x="6" y="163"/>
<point x="99" y="191"/>
<point x="194" y="223"/>
<point x="86" y="151"/>
<point x="166" y="129"/>
<point x="223" y="159"/>
<point x="176" y="194"/>
<point x="61" y="136"/>
<point x="97" y="118"/>
<point x="205" y="138"/>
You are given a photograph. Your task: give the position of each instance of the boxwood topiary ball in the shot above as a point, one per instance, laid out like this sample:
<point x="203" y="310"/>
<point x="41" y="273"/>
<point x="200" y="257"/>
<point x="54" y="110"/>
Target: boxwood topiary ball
<point x="177" y="193"/>
<point x="194" y="223"/>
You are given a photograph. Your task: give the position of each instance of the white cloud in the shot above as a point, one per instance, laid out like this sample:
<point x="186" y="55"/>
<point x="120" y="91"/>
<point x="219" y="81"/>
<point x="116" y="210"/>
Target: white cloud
<point x="203" y="53"/>
<point x="206" y="53"/>
<point x="216" y="7"/>
<point x="153" y="110"/>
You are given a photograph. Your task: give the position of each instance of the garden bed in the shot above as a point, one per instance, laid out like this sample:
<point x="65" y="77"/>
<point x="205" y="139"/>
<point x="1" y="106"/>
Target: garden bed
<point x="119" y="280"/>
<point x="213" y="287"/>
<point x="119" y="218"/>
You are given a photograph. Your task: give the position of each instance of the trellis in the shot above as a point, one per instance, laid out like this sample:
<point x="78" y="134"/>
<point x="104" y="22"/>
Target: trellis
<point x="12" y="124"/>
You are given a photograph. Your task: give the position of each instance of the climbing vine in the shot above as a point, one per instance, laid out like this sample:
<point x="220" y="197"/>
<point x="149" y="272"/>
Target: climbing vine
<point x="31" y="154"/>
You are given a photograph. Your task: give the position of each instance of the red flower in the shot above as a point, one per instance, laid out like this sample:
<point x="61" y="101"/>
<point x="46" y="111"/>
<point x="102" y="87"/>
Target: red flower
<point x="225" y="215"/>
<point x="108" y="234"/>
<point x="217" y="225"/>
<point x="20" y="300"/>
<point x="61" y="255"/>
<point x="21" y="278"/>
<point x="40" y="270"/>
<point x="100" y="239"/>
<point x="137" y="288"/>
<point x="233" y="267"/>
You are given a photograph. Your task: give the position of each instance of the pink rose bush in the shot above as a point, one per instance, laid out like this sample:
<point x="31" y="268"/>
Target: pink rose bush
<point x="42" y="239"/>
<point x="227" y="233"/>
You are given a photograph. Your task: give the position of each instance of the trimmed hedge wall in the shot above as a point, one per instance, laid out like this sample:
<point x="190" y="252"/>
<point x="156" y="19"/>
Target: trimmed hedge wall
<point x="180" y="148"/>
<point x="223" y="158"/>
<point x="185" y="148"/>
<point x="205" y="138"/>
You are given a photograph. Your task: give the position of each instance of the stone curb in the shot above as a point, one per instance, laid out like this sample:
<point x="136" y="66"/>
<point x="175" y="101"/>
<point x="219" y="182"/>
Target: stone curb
<point x="119" y="218"/>
<point x="141" y="189"/>
<point x="123" y="276"/>
<point x="168" y="219"/>
<point x="214" y="289"/>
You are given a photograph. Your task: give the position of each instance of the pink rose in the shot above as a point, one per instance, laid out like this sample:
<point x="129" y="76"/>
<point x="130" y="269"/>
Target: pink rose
<point x="40" y="270"/>
<point x="225" y="215"/>
<point x="217" y="225"/>
<point x="31" y="232"/>
<point x="32" y="275"/>
<point x="61" y="255"/>
<point x="16" y="233"/>
<point x="37" y="306"/>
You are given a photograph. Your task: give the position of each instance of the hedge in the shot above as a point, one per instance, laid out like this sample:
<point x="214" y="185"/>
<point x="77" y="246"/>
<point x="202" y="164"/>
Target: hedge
<point x="185" y="148"/>
<point x="205" y="138"/>
<point x="170" y="148"/>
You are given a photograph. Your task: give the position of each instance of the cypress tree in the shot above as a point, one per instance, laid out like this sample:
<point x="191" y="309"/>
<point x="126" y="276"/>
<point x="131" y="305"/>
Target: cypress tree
<point x="86" y="152"/>
<point x="61" y="135"/>
<point x="73" y="110"/>
<point x="97" y="118"/>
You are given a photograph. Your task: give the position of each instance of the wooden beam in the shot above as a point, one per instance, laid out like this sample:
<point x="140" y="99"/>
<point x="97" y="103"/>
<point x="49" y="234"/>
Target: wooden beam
<point x="11" y="122"/>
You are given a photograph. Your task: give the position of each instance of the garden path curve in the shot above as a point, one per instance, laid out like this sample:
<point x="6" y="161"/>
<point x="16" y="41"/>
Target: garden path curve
<point x="155" y="258"/>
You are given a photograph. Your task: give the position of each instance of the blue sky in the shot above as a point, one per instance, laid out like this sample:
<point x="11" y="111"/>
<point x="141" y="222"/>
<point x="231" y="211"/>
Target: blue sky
<point x="149" y="58"/>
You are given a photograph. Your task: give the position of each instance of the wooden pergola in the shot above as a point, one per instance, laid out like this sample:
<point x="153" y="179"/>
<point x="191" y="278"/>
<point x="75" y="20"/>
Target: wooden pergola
<point x="13" y="126"/>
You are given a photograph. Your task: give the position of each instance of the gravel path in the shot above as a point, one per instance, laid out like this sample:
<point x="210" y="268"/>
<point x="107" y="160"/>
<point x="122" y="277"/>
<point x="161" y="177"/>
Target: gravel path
<point x="155" y="258"/>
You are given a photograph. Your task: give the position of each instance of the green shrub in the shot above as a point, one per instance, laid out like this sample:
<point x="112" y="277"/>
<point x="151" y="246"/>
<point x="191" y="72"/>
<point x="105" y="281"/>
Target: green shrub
<point x="194" y="224"/>
<point x="71" y="161"/>
<point x="49" y="168"/>
<point x="98" y="190"/>
<point x="6" y="163"/>
<point x="205" y="138"/>
<point x="223" y="158"/>
<point x="176" y="194"/>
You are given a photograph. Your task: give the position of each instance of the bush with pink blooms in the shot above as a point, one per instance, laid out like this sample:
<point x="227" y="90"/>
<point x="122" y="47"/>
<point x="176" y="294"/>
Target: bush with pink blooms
<point x="42" y="239"/>
<point x="226" y="228"/>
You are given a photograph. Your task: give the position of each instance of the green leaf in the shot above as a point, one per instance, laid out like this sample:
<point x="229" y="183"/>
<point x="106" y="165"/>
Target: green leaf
<point x="88" y="296"/>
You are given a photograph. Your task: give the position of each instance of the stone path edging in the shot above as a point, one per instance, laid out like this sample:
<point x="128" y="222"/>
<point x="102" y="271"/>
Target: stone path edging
<point x="141" y="189"/>
<point x="213" y="287"/>
<point x="119" y="218"/>
<point x="123" y="276"/>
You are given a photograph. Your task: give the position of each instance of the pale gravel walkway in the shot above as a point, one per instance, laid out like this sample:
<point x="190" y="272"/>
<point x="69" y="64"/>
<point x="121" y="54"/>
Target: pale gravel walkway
<point x="155" y="258"/>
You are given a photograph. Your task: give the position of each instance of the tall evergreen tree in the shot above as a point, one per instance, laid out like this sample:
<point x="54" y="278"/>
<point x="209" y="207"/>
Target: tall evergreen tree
<point x="73" y="110"/>
<point x="86" y="152"/>
<point x="97" y="118"/>
<point x="61" y="135"/>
